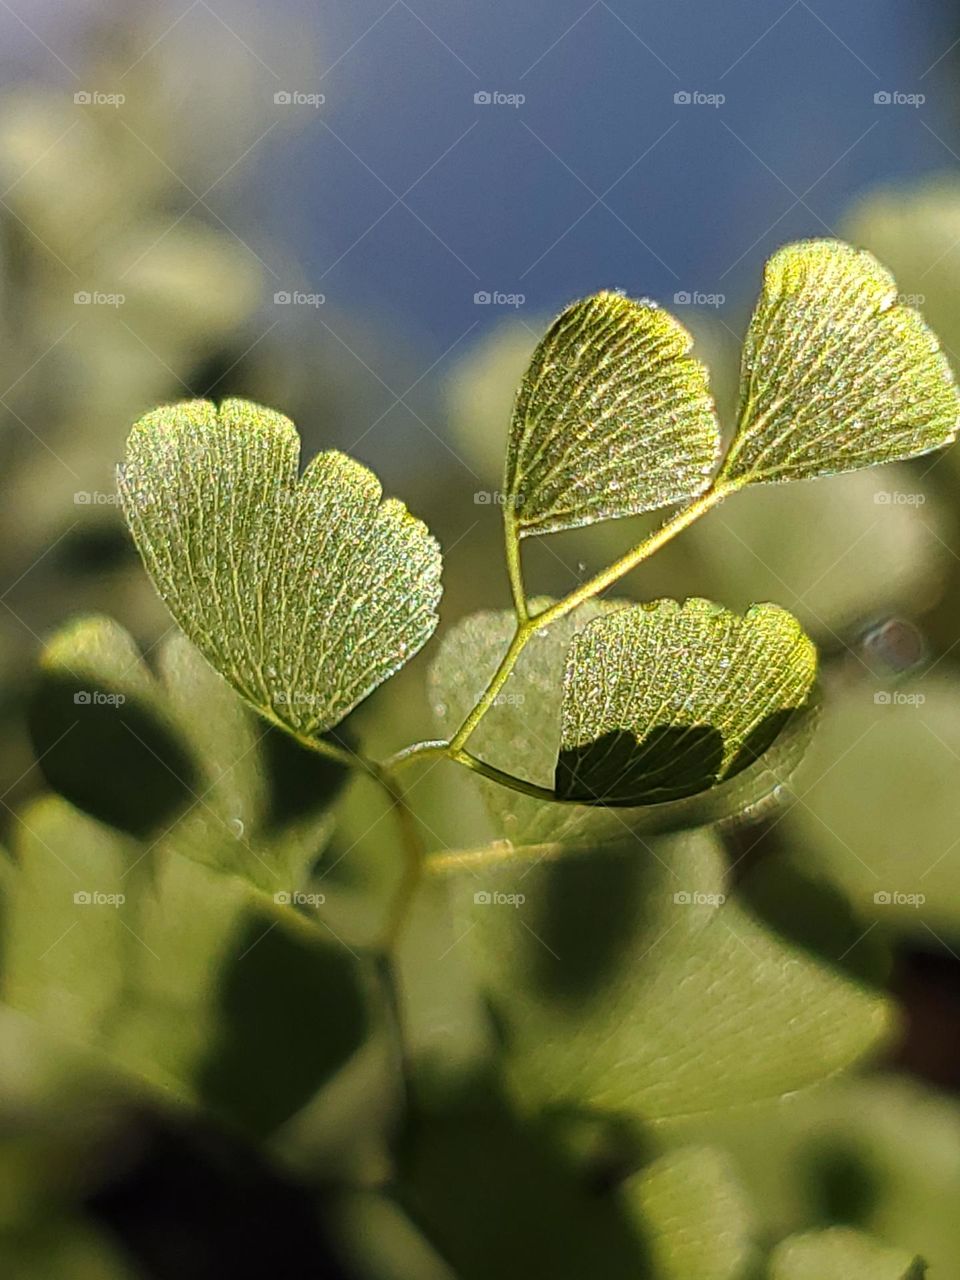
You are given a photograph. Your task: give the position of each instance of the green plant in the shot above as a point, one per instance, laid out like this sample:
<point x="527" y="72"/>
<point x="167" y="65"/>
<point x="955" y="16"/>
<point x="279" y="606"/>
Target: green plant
<point x="607" y="739"/>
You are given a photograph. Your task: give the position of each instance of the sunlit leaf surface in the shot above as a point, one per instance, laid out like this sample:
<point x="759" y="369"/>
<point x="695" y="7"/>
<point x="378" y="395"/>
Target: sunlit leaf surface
<point x="613" y="417"/>
<point x="837" y="372"/>
<point x="306" y="594"/>
<point x="663" y="700"/>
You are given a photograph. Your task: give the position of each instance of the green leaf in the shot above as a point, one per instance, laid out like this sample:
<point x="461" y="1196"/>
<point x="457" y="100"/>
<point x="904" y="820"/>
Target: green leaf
<point x="305" y="594"/>
<point x="896" y="749"/>
<point x="664" y="700"/>
<point x="181" y="753"/>
<point x="840" y="1253"/>
<point x="521" y="734"/>
<point x="837" y="374"/>
<point x="679" y="1002"/>
<point x="696" y="1217"/>
<point x="612" y="418"/>
<point x="189" y="979"/>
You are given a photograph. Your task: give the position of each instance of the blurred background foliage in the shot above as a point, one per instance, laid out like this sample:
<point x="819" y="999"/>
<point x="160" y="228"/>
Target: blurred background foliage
<point x="167" y="1106"/>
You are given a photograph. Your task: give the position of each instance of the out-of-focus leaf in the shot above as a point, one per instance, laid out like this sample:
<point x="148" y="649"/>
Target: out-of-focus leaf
<point x="868" y="544"/>
<point x="480" y="391"/>
<point x="840" y="1253"/>
<point x="480" y="1163"/>
<point x="664" y="700"/>
<point x="305" y="594"/>
<point x="878" y="804"/>
<point x="626" y="979"/>
<point x="613" y="417"/>
<point x="915" y="230"/>
<point x="521" y="734"/>
<point x="880" y="1153"/>
<point x="696" y="1216"/>
<point x="160" y="974"/>
<point x="102" y="734"/>
<point x="148" y="755"/>
<point x="837" y="373"/>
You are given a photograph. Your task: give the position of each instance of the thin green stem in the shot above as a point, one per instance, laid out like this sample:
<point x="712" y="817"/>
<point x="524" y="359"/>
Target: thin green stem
<point x="414" y="855"/>
<point x="505" y="779"/>
<point x="511" y="540"/>
<point x="527" y="625"/>
<point x="436" y="749"/>
<point x="490" y="854"/>
<point x="636" y="555"/>
<point x="489" y="696"/>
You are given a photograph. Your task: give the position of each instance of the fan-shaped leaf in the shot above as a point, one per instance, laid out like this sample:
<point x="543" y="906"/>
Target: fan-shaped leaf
<point x="837" y="374"/>
<point x="521" y="733"/>
<point x="613" y="417"/>
<point x="664" y="700"/>
<point x="305" y="594"/>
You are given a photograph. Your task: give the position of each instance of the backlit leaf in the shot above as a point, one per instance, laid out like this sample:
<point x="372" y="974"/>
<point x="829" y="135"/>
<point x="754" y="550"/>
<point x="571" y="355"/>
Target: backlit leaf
<point x="521" y="734"/>
<point x="682" y="1002"/>
<point x="613" y="417"/>
<point x="664" y="700"/>
<point x="837" y="373"/>
<point x="306" y="594"/>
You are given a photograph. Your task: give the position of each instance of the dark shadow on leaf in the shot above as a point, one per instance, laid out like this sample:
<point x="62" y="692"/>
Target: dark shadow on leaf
<point x="118" y="762"/>
<point x="300" y="781"/>
<point x="190" y="1202"/>
<point x="587" y="912"/>
<point x="672" y="762"/>
<point x="292" y="1010"/>
<point x="815" y="915"/>
<point x="500" y="1195"/>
